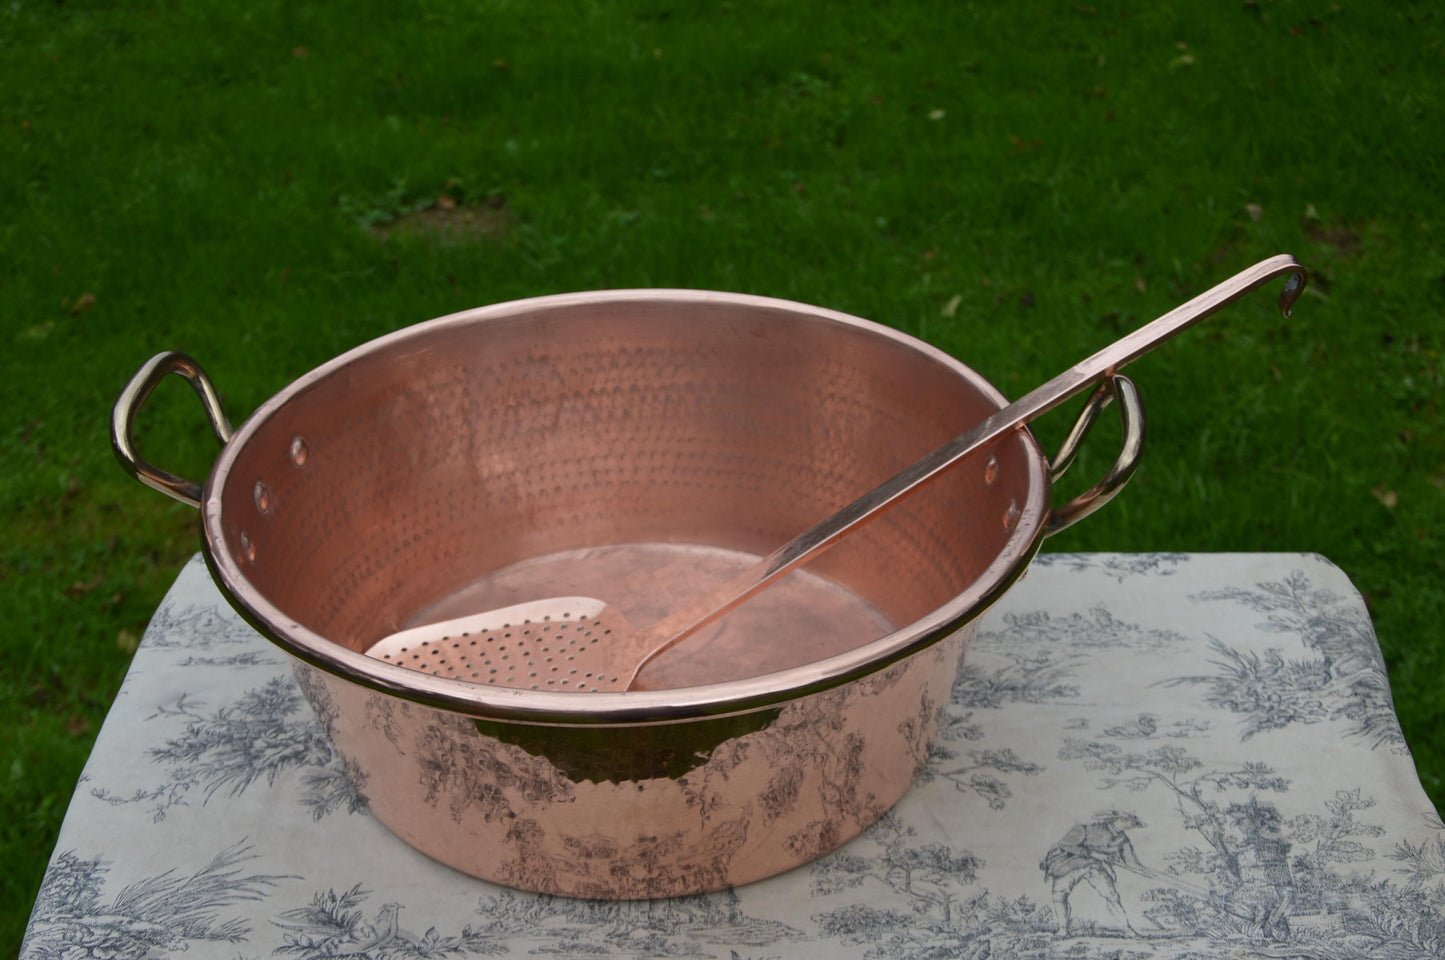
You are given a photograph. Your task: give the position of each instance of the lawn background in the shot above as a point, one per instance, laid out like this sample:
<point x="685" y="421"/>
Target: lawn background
<point x="268" y="184"/>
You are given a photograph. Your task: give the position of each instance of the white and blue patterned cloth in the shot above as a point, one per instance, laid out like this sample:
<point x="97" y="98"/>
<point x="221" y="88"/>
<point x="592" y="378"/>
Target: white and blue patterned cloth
<point x="1145" y="756"/>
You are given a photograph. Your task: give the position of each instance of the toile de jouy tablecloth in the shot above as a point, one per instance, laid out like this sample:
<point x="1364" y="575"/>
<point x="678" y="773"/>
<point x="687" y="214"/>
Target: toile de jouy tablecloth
<point x="1145" y="756"/>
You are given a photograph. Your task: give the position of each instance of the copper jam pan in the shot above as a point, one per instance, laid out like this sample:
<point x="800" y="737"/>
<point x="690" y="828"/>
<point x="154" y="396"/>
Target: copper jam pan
<point x="635" y="446"/>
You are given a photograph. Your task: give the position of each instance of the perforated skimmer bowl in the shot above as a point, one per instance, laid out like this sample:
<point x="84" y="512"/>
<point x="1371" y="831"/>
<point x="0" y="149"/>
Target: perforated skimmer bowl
<point x="531" y="646"/>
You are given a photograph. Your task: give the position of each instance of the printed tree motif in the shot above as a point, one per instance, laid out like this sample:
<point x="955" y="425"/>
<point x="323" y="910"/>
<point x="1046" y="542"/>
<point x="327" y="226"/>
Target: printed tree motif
<point x="251" y="658"/>
<point x="1269" y="691"/>
<point x="931" y="876"/>
<point x="510" y="913"/>
<point x="1029" y="678"/>
<point x="974" y="778"/>
<point x="1196" y="790"/>
<point x="202" y="626"/>
<point x="1424" y="862"/>
<point x="1257" y="869"/>
<point x="158" y="914"/>
<point x="668" y="927"/>
<point x="1243" y="848"/>
<point x="264" y="734"/>
<point x="1120" y="567"/>
<point x="1345" y="679"/>
<point x="861" y="923"/>
<point x="1331" y="839"/>
<point x="1390" y="921"/>
<point x="1146" y="726"/>
<point x="944" y="915"/>
<point x="1041" y="676"/>
<point x="334" y="925"/>
<point x="1380" y="917"/>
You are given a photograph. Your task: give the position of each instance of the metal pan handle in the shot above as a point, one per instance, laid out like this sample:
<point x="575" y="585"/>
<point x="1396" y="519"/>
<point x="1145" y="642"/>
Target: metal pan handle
<point x="122" y="420"/>
<point x="1131" y="422"/>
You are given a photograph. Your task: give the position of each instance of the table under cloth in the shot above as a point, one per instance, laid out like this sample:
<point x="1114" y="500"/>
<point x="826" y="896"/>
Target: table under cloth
<point x="1145" y="756"/>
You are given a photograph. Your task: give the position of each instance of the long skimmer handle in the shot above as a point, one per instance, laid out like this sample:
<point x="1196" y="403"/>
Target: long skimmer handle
<point x="682" y="623"/>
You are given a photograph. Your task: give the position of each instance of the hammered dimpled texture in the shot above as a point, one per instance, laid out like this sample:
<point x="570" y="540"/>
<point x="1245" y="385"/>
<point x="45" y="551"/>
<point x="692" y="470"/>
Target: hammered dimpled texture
<point x="455" y="449"/>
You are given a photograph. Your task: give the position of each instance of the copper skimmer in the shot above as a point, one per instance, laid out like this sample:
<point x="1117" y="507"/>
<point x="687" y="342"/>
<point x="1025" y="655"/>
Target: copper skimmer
<point x="584" y="644"/>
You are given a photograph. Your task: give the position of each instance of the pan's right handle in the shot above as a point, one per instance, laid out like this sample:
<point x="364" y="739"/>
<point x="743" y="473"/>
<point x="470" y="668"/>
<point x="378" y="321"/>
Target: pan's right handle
<point x="122" y="420"/>
<point x="1131" y="425"/>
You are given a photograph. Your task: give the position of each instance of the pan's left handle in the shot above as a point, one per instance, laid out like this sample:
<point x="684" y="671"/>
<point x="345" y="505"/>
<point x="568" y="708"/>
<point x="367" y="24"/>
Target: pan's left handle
<point x="122" y="420"/>
<point x="1113" y="389"/>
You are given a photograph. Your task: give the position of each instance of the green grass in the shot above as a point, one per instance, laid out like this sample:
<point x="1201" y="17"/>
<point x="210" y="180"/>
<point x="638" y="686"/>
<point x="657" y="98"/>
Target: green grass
<point x="1016" y="183"/>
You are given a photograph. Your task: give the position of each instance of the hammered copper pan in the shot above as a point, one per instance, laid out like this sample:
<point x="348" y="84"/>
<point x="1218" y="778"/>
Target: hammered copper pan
<point x="638" y="445"/>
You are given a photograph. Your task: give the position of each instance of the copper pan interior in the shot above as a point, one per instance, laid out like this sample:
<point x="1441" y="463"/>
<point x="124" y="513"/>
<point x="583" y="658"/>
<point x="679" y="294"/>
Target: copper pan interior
<point x="611" y="427"/>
